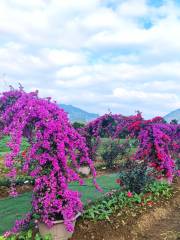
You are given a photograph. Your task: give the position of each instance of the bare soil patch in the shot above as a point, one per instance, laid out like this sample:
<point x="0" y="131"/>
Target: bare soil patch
<point x="4" y="191"/>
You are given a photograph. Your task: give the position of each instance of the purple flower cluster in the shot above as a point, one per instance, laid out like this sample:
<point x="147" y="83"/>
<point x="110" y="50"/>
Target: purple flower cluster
<point x="158" y="142"/>
<point x="53" y="158"/>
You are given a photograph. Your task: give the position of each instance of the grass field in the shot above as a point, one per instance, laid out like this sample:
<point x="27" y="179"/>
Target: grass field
<point x="13" y="208"/>
<point x="4" y="149"/>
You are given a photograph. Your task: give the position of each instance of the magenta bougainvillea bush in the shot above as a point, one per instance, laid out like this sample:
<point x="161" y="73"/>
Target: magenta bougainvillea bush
<point x="56" y="151"/>
<point x="158" y="141"/>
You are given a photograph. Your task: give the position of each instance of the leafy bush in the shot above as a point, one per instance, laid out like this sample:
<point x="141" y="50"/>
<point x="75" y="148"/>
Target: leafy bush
<point x="110" y="153"/>
<point x="177" y="163"/>
<point x="136" y="176"/>
<point x="114" y="150"/>
<point x="77" y="125"/>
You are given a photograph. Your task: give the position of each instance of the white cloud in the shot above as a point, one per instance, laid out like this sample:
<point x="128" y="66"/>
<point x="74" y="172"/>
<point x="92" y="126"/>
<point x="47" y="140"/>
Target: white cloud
<point x="63" y="57"/>
<point x="94" y="54"/>
<point x="14" y="59"/>
<point x="144" y="96"/>
<point x="133" y="8"/>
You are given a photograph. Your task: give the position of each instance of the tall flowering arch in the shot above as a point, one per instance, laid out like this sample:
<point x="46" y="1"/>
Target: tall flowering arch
<point x="158" y="141"/>
<point x="56" y="151"/>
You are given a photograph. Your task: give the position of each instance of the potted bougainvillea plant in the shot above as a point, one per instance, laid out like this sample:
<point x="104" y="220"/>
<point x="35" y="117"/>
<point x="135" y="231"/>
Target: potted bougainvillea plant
<point x="56" y="151"/>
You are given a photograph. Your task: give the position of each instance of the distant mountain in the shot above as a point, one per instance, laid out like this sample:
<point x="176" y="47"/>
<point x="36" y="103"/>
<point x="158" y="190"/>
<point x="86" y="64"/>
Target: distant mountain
<point x="78" y="115"/>
<point x="173" y="115"/>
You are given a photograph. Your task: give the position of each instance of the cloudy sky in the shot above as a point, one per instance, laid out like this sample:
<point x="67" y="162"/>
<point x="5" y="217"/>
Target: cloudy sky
<point x="122" y="55"/>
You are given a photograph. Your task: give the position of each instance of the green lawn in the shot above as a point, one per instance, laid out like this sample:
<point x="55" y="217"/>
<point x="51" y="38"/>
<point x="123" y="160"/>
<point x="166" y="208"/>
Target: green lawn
<point x="4" y="149"/>
<point x="13" y="208"/>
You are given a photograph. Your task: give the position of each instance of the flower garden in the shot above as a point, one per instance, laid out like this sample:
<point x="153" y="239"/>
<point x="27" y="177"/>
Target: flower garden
<point x="132" y="169"/>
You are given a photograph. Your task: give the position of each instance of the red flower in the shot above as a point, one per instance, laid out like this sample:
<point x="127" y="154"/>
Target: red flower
<point x="150" y="203"/>
<point x="23" y="154"/>
<point x="118" y="181"/>
<point x="129" y="194"/>
<point x="158" y="177"/>
<point x="152" y="164"/>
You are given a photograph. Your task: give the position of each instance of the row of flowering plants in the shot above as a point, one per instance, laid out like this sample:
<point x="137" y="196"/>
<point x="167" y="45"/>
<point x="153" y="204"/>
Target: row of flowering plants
<point x="158" y="142"/>
<point x="55" y="153"/>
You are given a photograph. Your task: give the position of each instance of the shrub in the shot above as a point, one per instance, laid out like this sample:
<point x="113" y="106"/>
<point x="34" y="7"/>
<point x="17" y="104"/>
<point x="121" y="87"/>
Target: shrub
<point x="136" y="176"/>
<point x="77" y="125"/>
<point x="110" y="152"/>
<point x="115" y="151"/>
<point x="177" y="163"/>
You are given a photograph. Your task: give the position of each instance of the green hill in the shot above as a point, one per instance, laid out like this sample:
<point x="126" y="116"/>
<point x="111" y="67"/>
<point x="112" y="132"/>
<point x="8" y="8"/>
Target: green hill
<point x="77" y="114"/>
<point x="173" y="115"/>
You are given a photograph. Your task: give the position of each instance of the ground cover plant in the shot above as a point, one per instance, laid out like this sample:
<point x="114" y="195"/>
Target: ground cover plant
<point x="117" y="200"/>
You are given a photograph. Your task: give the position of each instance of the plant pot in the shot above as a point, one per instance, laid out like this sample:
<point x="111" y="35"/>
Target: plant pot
<point x="57" y="231"/>
<point x="85" y="170"/>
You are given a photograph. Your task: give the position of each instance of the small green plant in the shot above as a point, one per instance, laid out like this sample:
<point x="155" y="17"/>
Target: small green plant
<point x="160" y="189"/>
<point x="101" y="210"/>
<point x="113" y="201"/>
<point x="27" y="235"/>
<point x="2" y="238"/>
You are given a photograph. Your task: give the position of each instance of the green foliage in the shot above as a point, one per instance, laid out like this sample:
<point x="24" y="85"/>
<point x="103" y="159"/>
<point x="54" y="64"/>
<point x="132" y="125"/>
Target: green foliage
<point x="27" y="235"/>
<point x="116" y="151"/>
<point x="174" y="121"/>
<point x="4" y="148"/>
<point x="110" y="153"/>
<point x="136" y="176"/>
<point x="161" y="188"/>
<point x="2" y="238"/>
<point x="102" y="210"/>
<point x="77" y="125"/>
<point x="177" y="163"/>
<point x="20" y="180"/>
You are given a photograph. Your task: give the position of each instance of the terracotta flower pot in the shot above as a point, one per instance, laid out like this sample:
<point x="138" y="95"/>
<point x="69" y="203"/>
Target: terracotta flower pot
<point x="57" y="231"/>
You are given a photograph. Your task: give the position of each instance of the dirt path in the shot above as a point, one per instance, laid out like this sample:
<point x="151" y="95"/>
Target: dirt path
<point x="167" y="227"/>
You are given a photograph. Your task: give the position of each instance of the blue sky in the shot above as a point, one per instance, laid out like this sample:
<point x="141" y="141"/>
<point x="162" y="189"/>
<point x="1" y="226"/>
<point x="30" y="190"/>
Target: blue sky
<point x="122" y="55"/>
